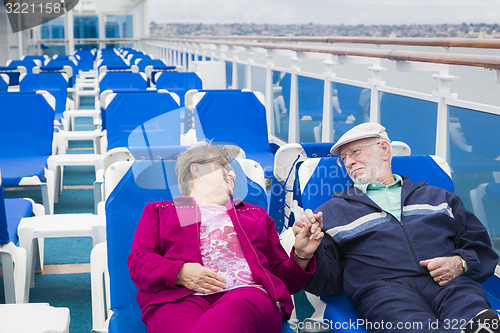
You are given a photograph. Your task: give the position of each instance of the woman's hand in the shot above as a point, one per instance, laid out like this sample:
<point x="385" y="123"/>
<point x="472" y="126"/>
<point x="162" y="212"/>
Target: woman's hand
<point x="194" y="276"/>
<point x="308" y="236"/>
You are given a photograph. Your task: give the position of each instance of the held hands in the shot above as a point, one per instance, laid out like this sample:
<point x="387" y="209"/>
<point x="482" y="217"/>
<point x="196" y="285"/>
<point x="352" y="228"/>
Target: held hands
<point x="444" y="269"/>
<point x="194" y="276"/>
<point x="308" y="234"/>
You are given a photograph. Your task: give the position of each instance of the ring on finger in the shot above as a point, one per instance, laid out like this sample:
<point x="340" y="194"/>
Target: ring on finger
<point x="440" y="278"/>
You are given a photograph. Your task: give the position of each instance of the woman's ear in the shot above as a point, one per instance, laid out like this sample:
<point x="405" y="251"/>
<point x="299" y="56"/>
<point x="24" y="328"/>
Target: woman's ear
<point x="195" y="170"/>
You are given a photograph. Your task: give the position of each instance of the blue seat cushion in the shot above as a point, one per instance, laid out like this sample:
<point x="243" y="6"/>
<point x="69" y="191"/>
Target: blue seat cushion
<point x="13" y="170"/>
<point x="16" y="209"/>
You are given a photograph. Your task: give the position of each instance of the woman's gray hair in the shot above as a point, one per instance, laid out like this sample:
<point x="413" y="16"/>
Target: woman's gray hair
<point x="199" y="153"/>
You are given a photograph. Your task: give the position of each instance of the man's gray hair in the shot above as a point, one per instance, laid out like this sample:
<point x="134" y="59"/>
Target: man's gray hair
<point x="199" y="153"/>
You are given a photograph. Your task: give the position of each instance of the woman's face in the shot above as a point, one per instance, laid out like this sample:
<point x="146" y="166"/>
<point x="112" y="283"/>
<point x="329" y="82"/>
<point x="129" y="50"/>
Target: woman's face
<point x="217" y="174"/>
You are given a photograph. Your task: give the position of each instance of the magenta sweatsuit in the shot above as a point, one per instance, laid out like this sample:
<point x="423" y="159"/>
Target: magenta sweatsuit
<point x="168" y="235"/>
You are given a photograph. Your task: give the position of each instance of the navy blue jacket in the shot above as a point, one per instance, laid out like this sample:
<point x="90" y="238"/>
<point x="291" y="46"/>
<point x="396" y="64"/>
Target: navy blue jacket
<point x="364" y="245"/>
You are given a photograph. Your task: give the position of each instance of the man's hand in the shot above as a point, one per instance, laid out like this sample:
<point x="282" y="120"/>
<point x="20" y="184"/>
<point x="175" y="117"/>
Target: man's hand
<point x="443" y="269"/>
<point x="194" y="276"/>
<point x="308" y="236"/>
<point x="309" y="220"/>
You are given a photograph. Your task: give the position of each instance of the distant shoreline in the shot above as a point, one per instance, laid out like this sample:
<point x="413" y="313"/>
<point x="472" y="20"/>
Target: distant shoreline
<point x="464" y="30"/>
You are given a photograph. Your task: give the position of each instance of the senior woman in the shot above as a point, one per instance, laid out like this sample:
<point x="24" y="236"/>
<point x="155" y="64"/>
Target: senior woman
<point x="208" y="263"/>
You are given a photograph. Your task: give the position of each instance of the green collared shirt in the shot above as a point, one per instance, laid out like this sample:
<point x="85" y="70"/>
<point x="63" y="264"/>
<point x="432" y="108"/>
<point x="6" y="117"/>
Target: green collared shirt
<point x="386" y="197"/>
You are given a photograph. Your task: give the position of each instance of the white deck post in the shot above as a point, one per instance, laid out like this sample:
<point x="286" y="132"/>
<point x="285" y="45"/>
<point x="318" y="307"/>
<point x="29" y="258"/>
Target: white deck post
<point x="269" y="92"/>
<point x="375" y="82"/>
<point x="234" y="77"/>
<point x="250" y="60"/>
<point x="294" y="126"/>
<point x="444" y="92"/>
<point x="327" y="129"/>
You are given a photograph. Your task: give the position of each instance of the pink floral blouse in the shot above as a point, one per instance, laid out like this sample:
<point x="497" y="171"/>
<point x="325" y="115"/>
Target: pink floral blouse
<point x="221" y="248"/>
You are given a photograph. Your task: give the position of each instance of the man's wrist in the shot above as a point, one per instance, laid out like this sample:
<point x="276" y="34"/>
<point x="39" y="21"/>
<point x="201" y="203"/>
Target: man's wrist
<point x="463" y="264"/>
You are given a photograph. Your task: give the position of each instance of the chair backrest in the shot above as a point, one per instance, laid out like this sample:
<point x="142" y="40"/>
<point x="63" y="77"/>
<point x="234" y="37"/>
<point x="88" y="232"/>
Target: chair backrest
<point x="286" y="189"/>
<point x="86" y="60"/>
<point x="178" y="82"/>
<point x="28" y="64"/>
<point x="13" y="74"/>
<point x="26" y="125"/>
<point x="59" y="65"/>
<point x="235" y="117"/>
<point x="4" y="82"/>
<point x="142" y="119"/>
<point x="138" y="183"/>
<point x="319" y="178"/>
<point x="147" y="66"/>
<point x="135" y="58"/>
<point x="4" y="232"/>
<point x="54" y="82"/>
<point x="41" y="58"/>
<point x="122" y="81"/>
<point x="26" y="133"/>
<point x="112" y="61"/>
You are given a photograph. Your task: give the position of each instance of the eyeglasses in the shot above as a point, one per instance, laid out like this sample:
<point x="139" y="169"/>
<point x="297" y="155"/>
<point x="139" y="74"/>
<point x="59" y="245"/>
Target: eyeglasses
<point x="353" y="152"/>
<point x="222" y="160"/>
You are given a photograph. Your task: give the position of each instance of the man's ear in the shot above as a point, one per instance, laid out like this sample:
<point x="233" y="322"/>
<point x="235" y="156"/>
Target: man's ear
<point x="386" y="148"/>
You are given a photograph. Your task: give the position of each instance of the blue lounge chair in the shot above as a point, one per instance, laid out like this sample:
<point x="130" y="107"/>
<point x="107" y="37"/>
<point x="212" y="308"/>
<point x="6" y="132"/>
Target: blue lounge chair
<point x="142" y="119"/>
<point x="320" y="177"/>
<point x="178" y="82"/>
<point x="26" y="133"/>
<point x="55" y="83"/>
<point x="123" y="80"/>
<point x="138" y="183"/>
<point x="12" y="258"/>
<point x="4" y="82"/>
<point x="235" y="117"/>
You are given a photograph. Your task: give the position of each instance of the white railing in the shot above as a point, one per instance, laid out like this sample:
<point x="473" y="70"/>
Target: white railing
<point x="459" y="77"/>
<point x="292" y="55"/>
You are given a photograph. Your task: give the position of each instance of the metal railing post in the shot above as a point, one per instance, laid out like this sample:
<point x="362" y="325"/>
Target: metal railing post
<point x="328" y="130"/>
<point x="269" y="92"/>
<point x="294" y="125"/>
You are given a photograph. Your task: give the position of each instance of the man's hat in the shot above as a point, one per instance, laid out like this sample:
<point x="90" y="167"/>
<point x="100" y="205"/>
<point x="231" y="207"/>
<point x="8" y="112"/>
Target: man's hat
<point x="361" y="131"/>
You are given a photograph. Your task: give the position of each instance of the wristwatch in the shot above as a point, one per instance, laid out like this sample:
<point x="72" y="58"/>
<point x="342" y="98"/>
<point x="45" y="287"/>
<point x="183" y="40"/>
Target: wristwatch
<point x="464" y="264"/>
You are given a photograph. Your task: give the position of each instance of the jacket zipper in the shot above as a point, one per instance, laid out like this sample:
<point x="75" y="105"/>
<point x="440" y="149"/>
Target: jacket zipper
<point x="419" y="267"/>
<point x="275" y="298"/>
<point x="411" y="246"/>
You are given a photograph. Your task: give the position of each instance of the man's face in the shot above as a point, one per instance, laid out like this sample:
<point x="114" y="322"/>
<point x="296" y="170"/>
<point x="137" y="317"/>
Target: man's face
<point x="363" y="160"/>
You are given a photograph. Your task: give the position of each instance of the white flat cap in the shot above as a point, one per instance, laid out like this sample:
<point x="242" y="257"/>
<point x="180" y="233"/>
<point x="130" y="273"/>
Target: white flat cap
<point x="358" y="132"/>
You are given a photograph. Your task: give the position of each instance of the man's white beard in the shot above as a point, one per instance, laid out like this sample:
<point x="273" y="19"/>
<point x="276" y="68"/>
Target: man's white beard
<point x="371" y="172"/>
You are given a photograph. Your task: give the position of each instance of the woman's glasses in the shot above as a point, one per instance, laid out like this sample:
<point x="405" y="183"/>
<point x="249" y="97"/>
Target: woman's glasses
<point x="222" y="160"/>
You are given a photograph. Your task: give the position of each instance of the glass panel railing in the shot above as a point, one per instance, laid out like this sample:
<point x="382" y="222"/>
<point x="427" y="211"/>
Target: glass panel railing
<point x="475" y="163"/>
<point x="350" y="106"/>
<point x="53" y="29"/>
<point x="119" y="26"/>
<point x="310" y="96"/>
<point x="229" y="73"/>
<point x="281" y="105"/>
<point x="86" y="27"/>
<point x="410" y="120"/>
<point x="242" y="76"/>
<point x="258" y="80"/>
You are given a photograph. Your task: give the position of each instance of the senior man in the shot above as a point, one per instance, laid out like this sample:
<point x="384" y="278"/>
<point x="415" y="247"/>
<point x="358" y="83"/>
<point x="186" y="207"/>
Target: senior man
<point x="410" y="255"/>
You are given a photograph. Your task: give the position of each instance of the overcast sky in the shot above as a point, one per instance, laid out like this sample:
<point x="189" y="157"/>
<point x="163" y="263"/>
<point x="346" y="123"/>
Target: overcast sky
<point x="348" y="12"/>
